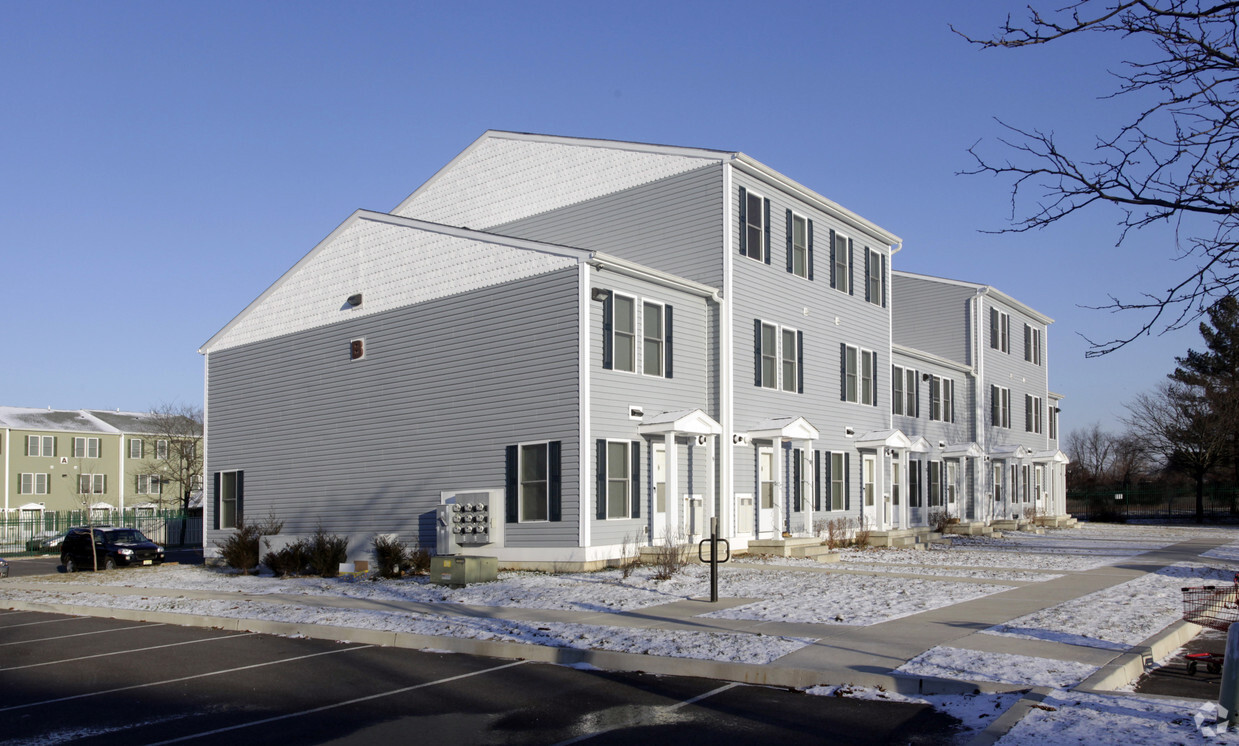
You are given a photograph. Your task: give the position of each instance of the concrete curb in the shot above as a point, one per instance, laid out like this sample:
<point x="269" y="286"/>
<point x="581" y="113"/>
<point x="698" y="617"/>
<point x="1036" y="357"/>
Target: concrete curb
<point x="1009" y="719"/>
<point x="748" y="673"/>
<point x="1140" y="658"/>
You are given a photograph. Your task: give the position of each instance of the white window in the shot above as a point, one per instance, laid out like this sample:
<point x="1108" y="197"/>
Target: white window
<point x="869" y="483"/>
<point x="838" y="473"/>
<point x="652" y="329"/>
<point x="896" y="481"/>
<point x="998" y="471"/>
<point x="91" y="484"/>
<point x="619" y="479"/>
<point x="161" y="449"/>
<point x="840" y="261"/>
<point x="624" y="333"/>
<point x="999" y="330"/>
<point x="1032" y="413"/>
<point x="228" y="499"/>
<point x="1026" y="482"/>
<point x="903" y="391"/>
<point x="859" y="375"/>
<point x="942" y="399"/>
<point x="873" y="273"/>
<point x="800" y="246"/>
<point x="951" y="475"/>
<point x="33" y="484"/>
<point x="40" y="445"/>
<point x="779" y="357"/>
<point x="1053" y="417"/>
<point x="1000" y="406"/>
<point x="86" y="448"/>
<point x="1032" y="344"/>
<point x="755" y="209"/>
<point x="149" y="484"/>
<point x="534" y="474"/>
<point x="935" y="484"/>
<point x="195" y="482"/>
<point x="1039" y="483"/>
<point x="135" y="447"/>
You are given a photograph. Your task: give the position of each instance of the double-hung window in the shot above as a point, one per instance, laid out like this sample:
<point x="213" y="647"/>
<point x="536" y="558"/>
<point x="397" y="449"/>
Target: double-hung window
<point x="1032" y="344"/>
<point x="799" y="245"/>
<point x="653" y="333"/>
<point x="1053" y="418"/>
<point x="942" y="399"/>
<point x="161" y="449"/>
<point x="951" y="477"/>
<point x="135" y="448"/>
<point x="230" y="498"/>
<point x="779" y="357"/>
<point x="618" y="473"/>
<point x="840" y="262"/>
<point x="532" y="483"/>
<point x="935" y="484"/>
<point x="149" y="484"/>
<point x="91" y="484"/>
<point x="86" y="448"/>
<point x="903" y="391"/>
<point x="875" y="277"/>
<point x="999" y="330"/>
<point x="754" y="226"/>
<point x="897" y="386"/>
<point x="624" y="331"/>
<point x="33" y="484"/>
<point x="40" y="445"/>
<point x="1000" y="406"/>
<point x="838" y="480"/>
<point x="858" y="374"/>
<point x="914" y="484"/>
<point x="1032" y="413"/>
<point x="636" y="335"/>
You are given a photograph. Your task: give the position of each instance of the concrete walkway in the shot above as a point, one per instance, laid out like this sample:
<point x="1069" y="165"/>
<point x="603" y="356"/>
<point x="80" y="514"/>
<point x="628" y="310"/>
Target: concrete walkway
<point x="865" y="656"/>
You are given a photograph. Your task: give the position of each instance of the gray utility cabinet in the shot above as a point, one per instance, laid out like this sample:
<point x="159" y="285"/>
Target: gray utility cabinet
<point x="460" y="570"/>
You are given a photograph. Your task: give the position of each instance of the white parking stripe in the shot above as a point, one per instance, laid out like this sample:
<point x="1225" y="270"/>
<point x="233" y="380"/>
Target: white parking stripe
<point x="180" y="678"/>
<point x="47" y="621"/>
<point x="83" y="634"/>
<point x="637" y="721"/>
<point x="311" y="711"/>
<point x="124" y="652"/>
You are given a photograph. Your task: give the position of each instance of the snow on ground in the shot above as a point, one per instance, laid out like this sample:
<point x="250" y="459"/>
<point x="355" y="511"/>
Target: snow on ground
<point x="1132" y="720"/>
<point x="878" y="565"/>
<point x="974" y="711"/>
<point x="737" y="648"/>
<point x="819" y="598"/>
<point x="1119" y="616"/>
<point x="975" y="554"/>
<point x="1005" y="668"/>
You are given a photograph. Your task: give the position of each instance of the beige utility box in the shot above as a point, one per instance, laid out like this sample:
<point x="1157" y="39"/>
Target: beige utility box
<point x="458" y="570"/>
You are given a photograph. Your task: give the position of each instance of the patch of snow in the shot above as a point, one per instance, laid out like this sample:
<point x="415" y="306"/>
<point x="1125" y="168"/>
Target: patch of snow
<point x="1004" y="668"/>
<point x="1132" y="720"/>
<point x="974" y="711"/>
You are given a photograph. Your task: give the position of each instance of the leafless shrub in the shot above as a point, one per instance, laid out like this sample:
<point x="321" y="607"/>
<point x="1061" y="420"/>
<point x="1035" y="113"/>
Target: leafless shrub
<point x="670" y="557"/>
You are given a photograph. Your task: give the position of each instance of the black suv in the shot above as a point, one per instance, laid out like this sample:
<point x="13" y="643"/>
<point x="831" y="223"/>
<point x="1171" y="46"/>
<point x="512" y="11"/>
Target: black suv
<point x="113" y="547"/>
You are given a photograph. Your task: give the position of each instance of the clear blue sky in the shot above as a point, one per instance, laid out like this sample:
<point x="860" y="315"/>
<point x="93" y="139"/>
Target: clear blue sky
<point x="162" y="163"/>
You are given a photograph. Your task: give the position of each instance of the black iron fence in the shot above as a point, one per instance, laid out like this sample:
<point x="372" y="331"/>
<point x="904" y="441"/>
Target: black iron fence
<point x="1220" y="503"/>
<point x="40" y="533"/>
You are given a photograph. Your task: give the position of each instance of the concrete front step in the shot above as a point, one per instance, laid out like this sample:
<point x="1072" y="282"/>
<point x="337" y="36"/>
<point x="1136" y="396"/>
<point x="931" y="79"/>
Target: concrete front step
<point x="786" y="547"/>
<point x="903" y="537"/>
<point x="968" y="528"/>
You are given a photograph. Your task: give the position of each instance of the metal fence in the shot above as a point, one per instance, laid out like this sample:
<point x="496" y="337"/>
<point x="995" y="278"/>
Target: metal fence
<point x="26" y="534"/>
<point x="1220" y="503"/>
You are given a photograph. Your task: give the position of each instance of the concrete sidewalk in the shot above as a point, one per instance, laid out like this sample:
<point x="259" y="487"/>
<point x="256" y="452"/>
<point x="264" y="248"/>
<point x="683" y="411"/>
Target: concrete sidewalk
<point x="864" y="656"/>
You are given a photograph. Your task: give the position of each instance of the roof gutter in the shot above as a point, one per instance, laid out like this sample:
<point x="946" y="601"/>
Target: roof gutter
<point x="602" y="261"/>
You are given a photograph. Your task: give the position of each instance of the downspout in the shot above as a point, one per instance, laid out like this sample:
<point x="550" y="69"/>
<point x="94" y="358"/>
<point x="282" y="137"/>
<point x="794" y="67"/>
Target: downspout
<point x="583" y="346"/>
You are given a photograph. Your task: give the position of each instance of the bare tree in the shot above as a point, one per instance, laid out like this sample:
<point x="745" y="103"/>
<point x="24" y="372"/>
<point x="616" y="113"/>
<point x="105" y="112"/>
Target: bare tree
<point x="1179" y="424"/>
<point x="178" y="430"/>
<point x="1092" y="452"/>
<point x="1175" y="162"/>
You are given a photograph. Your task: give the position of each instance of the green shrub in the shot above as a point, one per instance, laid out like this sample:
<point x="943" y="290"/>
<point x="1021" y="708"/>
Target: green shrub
<point x="292" y="559"/>
<point x="419" y="561"/>
<point x="391" y="556"/>
<point x="324" y="553"/>
<point x="240" y="550"/>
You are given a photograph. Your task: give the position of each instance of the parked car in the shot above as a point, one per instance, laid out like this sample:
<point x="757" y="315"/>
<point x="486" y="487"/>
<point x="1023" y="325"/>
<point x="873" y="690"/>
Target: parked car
<point x="4" y="568"/>
<point x="47" y="542"/>
<point x="113" y="547"/>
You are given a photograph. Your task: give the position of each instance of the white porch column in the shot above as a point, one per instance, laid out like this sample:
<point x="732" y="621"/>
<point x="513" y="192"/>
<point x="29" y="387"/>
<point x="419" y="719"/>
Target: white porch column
<point x="673" y="490"/>
<point x="711" y="498"/>
<point x="776" y="475"/>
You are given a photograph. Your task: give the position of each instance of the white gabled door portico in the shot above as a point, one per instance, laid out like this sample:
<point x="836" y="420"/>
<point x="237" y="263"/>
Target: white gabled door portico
<point x="701" y="431"/>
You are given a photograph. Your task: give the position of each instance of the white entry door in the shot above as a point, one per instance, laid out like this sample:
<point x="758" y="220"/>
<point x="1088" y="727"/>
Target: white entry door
<point x="659" y="512"/>
<point x="869" y="467"/>
<point x="766" y="520"/>
<point x="894" y="509"/>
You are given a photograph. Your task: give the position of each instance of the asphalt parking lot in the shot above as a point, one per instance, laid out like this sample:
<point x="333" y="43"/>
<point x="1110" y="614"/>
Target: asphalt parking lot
<point x="66" y="678"/>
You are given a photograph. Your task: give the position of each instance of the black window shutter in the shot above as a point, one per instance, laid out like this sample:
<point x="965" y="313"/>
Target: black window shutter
<point x="601" y="509"/>
<point x="847" y="481"/>
<point x="215" y="502"/>
<point x="767" y="228"/>
<point x="667" y="340"/>
<point x="554" y="480"/>
<point x="240" y="499"/>
<point x="817" y="480"/>
<point x="993" y="328"/>
<point x="951" y="385"/>
<point x="790" y="265"/>
<point x="797" y="481"/>
<point x="799" y="362"/>
<point x="916" y="383"/>
<point x="993" y="405"/>
<point x="608" y="341"/>
<point x="866" y="252"/>
<point x="810" y="249"/>
<point x="833" y="283"/>
<point x="634" y="487"/>
<point x="510" y="499"/>
<point x="851" y="269"/>
<point x="825" y="472"/>
<point x="843" y="371"/>
<point x="744" y="222"/>
<point x="874" y="383"/>
<point x="757" y="351"/>
<point x="1027" y="342"/>
<point x="884" y="280"/>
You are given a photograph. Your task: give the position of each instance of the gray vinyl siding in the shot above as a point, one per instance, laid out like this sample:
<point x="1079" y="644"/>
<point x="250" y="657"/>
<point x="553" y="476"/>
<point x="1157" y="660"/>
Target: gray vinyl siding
<point x="932" y="316"/>
<point x="770" y="293"/>
<point x="674" y="225"/>
<point x="613" y="392"/>
<point x="363" y="447"/>
<point x="1012" y="371"/>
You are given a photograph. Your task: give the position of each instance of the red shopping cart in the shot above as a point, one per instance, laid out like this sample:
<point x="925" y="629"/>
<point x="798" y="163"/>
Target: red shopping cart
<point x="1215" y="607"/>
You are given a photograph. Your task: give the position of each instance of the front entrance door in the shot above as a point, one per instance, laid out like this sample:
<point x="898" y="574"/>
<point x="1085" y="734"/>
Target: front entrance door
<point x="869" y="487"/>
<point x="896" y="488"/>
<point x="659" y="513"/>
<point x="767" y="525"/>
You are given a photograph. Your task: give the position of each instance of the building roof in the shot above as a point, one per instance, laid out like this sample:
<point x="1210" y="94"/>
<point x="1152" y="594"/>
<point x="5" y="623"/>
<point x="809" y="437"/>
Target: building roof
<point x="978" y="288"/>
<point x="54" y="420"/>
